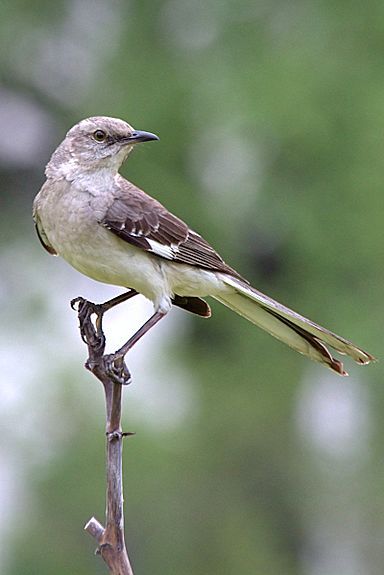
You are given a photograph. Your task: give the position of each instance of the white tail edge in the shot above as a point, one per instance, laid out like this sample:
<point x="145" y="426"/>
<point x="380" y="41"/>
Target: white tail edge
<point x="295" y="330"/>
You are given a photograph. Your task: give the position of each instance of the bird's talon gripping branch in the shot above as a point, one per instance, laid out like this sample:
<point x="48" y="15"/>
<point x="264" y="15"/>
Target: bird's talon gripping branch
<point x="116" y="368"/>
<point x="91" y="334"/>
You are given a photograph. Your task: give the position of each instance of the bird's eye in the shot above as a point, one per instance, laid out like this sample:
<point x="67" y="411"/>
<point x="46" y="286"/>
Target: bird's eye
<point x="99" y="135"/>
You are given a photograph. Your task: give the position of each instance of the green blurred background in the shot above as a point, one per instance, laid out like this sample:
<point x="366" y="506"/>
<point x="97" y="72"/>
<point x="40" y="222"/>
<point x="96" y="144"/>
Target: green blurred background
<point x="247" y="458"/>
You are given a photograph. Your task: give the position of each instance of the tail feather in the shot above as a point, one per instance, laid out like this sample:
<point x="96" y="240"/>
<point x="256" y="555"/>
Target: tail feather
<point x="295" y="330"/>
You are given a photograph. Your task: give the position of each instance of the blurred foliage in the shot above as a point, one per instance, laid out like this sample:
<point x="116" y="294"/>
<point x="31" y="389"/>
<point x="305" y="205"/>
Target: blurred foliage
<point x="271" y="118"/>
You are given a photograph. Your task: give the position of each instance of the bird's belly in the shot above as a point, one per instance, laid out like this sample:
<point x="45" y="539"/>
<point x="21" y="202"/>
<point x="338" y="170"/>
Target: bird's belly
<point x="109" y="260"/>
<point x="77" y="236"/>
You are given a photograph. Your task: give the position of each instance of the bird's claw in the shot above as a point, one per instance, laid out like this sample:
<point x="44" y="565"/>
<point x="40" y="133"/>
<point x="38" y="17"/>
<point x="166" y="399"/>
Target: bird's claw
<point x="91" y="335"/>
<point x="77" y="300"/>
<point x="96" y="341"/>
<point x="116" y="368"/>
<point x="85" y="308"/>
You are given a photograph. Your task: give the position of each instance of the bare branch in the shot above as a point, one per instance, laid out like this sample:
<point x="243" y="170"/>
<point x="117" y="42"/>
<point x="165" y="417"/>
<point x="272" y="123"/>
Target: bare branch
<point x="111" y="538"/>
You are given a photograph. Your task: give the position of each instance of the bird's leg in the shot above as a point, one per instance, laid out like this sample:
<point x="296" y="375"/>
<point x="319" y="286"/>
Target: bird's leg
<point x="91" y="334"/>
<point x="114" y="363"/>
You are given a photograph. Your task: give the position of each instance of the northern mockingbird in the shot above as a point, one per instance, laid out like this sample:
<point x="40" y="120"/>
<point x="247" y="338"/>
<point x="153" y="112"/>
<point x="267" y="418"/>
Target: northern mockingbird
<point x="113" y="232"/>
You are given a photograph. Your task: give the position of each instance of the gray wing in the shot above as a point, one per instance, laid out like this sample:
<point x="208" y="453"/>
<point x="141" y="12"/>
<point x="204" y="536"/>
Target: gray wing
<point x="143" y="222"/>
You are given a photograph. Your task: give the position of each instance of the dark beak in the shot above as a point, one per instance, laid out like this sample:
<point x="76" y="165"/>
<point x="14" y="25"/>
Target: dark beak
<point x="140" y="136"/>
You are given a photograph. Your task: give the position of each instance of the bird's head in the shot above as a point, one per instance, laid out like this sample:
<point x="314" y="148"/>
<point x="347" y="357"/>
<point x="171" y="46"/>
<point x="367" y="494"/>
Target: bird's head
<point x="95" y="143"/>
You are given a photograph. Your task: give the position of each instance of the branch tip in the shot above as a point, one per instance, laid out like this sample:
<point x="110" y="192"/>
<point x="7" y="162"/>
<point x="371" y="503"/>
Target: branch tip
<point x="95" y="529"/>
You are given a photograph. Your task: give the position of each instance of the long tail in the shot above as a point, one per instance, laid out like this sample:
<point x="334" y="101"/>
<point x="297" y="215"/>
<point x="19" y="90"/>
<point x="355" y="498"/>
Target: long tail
<point x="298" y="332"/>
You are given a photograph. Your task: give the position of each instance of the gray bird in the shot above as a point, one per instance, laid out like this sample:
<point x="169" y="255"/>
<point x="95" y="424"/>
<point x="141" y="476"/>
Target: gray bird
<point x="113" y="232"/>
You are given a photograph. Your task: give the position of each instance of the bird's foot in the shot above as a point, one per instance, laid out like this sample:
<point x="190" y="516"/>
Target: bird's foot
<point x="116" y="368"/>
<point x="91" y="334"/>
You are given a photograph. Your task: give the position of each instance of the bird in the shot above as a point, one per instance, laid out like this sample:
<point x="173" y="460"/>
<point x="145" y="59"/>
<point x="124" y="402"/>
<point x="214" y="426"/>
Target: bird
<point x="113" y="232"/>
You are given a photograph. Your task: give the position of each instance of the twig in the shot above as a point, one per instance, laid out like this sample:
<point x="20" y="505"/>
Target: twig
<point x="111" y="537"/>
